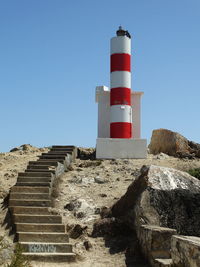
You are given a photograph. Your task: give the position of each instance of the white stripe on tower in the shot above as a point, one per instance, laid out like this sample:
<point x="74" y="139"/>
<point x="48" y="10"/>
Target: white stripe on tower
<point x="120" y="84"/>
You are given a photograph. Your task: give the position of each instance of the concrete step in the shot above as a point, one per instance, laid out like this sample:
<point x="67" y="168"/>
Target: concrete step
<point x="33" y="184"/>
<point x="29" y="196"/>
<point x="40" y="170"/>
<point x="50" y="257"/>
<point x="34" y="179"/>
<point x="60" y="152"/>
<point x="36" y="174"/>
<point x="42" y="237"/>
<point x="52" y="156"/>
<point x="32" y="218"/>
<point x="29" y="189"/>
<point x="43" y="163"/>
<point x="29" y="210"/>
<point x="51" y="160"/>
<point x="38" y="227"/>
<point x="32" y="202"/>
<point x="38" y="166"/>
<point x="68" y="147"/>
<point x="163" y="262"/>
<point x="41" y="247"/>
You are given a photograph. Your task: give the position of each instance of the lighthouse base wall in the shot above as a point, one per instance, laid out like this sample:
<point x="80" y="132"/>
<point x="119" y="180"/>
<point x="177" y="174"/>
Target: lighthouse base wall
<point x="114" y="148"/>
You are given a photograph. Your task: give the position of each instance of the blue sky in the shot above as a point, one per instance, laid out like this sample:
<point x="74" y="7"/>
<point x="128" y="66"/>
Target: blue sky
<point x="53" y="53"/>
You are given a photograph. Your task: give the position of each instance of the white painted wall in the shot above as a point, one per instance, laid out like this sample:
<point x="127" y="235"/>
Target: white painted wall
<point x="114" y="148"/>
<point x="103" y="100"/>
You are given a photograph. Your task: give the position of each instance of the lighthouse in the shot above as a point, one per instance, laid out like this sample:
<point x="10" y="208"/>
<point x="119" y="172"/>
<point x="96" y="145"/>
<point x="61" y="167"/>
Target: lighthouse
<point x="120" y="86"/>
<point x="119" y="108"/>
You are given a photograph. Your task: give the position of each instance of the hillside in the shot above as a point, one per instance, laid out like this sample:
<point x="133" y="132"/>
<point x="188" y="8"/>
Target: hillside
<point x="88" y="189"/>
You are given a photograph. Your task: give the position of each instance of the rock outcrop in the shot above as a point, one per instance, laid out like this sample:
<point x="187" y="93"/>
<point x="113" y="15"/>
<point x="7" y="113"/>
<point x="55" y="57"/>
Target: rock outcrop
<point x="164" y="197"/>
<point x="173" y="144"/>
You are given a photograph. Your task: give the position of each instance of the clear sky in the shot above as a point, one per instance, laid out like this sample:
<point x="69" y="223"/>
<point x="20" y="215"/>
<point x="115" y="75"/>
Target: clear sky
<point x="53" y="53"/>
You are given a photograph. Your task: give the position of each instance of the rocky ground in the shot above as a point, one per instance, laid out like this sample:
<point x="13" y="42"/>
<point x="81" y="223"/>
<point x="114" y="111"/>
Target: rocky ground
<point x="88" y="189"/>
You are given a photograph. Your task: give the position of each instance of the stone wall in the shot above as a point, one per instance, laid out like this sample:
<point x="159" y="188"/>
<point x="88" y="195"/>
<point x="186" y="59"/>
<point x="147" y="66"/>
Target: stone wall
<point x="163" y="247"/>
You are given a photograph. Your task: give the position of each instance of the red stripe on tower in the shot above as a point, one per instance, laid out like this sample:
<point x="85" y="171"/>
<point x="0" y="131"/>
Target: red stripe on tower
<point x="120" y="84"/>
<point x="120" y="62"/>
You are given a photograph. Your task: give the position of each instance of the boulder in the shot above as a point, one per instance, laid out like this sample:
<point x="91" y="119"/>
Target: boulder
<point x="164" y="197"/>
<point x="173" y="144"/>
<point x="25" y="147"/>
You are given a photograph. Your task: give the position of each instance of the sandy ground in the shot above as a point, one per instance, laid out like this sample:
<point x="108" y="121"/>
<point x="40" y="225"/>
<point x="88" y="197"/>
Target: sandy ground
<point x="83" y="191"/>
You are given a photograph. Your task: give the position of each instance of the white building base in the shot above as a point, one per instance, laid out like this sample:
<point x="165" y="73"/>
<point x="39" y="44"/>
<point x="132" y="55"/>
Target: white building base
<point x="114" y="148"/>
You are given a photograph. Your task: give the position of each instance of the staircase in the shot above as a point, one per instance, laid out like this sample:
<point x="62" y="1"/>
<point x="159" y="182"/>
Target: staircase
<point x="41" y="233"/>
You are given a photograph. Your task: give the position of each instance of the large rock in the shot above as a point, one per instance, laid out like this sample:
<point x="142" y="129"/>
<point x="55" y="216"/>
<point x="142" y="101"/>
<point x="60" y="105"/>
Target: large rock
<point x="173" y="144"/>
<point x="164" y="197"/>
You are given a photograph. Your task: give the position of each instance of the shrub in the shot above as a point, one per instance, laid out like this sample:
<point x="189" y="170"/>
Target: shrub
<point x="18" y="259"/>
<point x="195" y="172"/>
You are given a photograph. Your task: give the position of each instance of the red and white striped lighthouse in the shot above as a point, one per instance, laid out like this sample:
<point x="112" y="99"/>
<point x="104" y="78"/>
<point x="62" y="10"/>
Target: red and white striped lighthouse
<point x="120" y="84"/>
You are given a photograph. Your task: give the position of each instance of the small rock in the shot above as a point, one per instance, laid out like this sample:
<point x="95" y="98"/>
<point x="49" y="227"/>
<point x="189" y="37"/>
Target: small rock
<point x="77" y="231"/>
<point x="76" y="180"/>
<point x="102" y="195"/>
<point x="79" y="169"/>
<point x="70" y="168"/>
<point x="99" y="180"/>
<point x="80" y="214"/>
<point x="105" y="212"/>
<point x="69" y="206"/>
<point x="97" y="211"/>
<point x="87" y="244"/>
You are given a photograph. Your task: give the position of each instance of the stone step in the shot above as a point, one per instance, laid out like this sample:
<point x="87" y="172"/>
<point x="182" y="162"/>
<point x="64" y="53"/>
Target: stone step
<point x="29" y="210"/>
<point x="41" y="247"/>
<point x="59" y="146"/>
<point x="42" y="237"/>
<point x="59" y="152"/>
<point x="163" y="262"/>
<point x="66" y="150"/>
<point x="32" y="202"/>
<point x="49" y="156"/>
<point x="34" y="179"/>
<point x="40" y="170"/>
<point x="33" y="184"/>
<point x="38" y="227"/>
<point x="51" y="160"/>
<point x="43" y="163"/>
<point x="29" y="195"/>
<point x="29" y="189"/>
<point x="53" y="257"/>
<point x="30" y="218"/>
<point x="36" y="174"/>
<point x="38" y="166"/>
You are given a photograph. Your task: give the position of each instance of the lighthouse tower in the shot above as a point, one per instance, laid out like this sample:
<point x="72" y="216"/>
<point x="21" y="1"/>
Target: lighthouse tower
<point x="120" y="84"/>
<point x="119" y="107"/>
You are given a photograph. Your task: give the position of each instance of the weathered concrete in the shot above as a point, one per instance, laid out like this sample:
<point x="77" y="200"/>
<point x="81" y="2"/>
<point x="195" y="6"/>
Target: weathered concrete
<point x="185" y="251"/>
<point x="36" y="184"/>
<point x="40" y="227"/>
<point x="41" y="247"/>
<point x="29" y="218"/>
<point x="29" y="189"/>
<point x="29" y="196"/>
<point x="42" y="237"/>
<point x="34" y="179"/>
<point x="155" y="242"/>
<point x="29" y="201"/>
<point x="29" y="210"/>
<point x="114" y="148"/>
